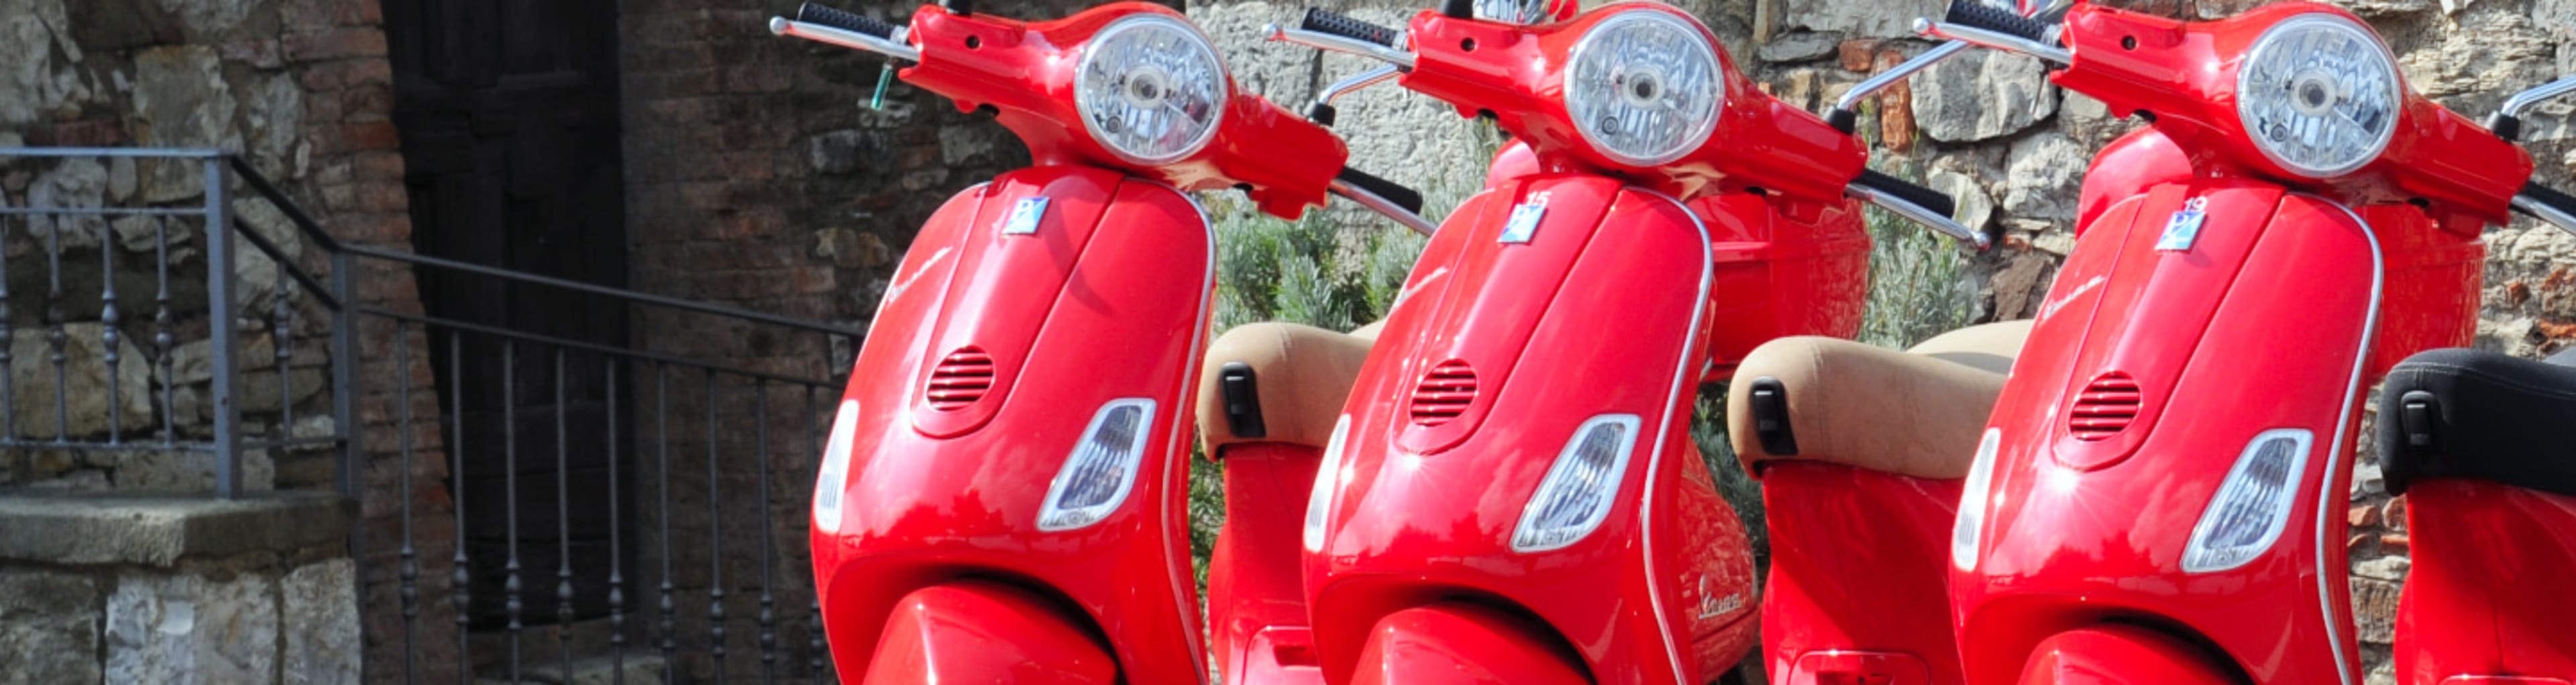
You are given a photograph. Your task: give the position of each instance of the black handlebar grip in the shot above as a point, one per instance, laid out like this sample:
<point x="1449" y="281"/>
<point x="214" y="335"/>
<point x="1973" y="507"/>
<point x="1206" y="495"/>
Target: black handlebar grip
<point x="1322" y="20"/>
<point x="2550" y="196"/>
<point x="1408" y="198"/>
<point x="1973" y="13"/>
<point x="1937" y="201"/>
<point x="812" y="13"/>
<point x="1458" y="9"/>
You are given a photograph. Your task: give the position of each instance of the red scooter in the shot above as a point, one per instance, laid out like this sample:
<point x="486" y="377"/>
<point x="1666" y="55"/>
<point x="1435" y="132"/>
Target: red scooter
<point x="2477" y="441"/>
<point x="2152" y="499"/>
<point x="1001" y="495"/>
<point x="1510" y="493"/>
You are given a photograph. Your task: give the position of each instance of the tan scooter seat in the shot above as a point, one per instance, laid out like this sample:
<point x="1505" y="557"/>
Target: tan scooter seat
<point x="1916" y="413"/>
<point x="1298" y="377"/>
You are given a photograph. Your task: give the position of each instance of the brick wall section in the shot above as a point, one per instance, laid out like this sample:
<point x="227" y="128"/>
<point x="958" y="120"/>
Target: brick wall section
<point x="303" y="90"/>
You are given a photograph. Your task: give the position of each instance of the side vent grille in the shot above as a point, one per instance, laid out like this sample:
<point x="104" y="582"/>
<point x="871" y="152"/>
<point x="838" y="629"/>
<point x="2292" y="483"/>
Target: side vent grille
<point x="2105" y="408"/>
<point x="1444" y="393"/>
<point x="960" y="379"/>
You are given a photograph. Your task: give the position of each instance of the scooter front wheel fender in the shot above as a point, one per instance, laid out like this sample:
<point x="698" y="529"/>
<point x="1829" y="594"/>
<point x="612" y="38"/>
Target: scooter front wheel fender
<point x="1463" y="644"/>
<point x="2124" y="655"/>
<point x="975" y="631"/>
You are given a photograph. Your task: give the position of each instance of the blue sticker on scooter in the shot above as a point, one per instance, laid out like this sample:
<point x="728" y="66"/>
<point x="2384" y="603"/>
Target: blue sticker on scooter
<point x="1024" y="216"/>
<point x="1524" y="219"/>
<point x="2184" y="228"/>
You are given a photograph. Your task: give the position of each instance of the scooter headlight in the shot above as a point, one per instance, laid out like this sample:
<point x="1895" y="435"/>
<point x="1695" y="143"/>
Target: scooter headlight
<point x="1968" y="529"/>
<point x="1151" y="89"/>
<point x="1328" y="480"/>
<point x="1643" y="87"/>
<point x="832" y="479"/>
<point x="2253" y="505"/>
<point x="1096" y="479"/>
<point x="2319" y="94"/>
<point x="1581" y="488"/>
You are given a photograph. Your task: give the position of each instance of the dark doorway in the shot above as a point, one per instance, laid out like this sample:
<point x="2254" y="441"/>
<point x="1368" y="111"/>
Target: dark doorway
<point x="509" y="121"/>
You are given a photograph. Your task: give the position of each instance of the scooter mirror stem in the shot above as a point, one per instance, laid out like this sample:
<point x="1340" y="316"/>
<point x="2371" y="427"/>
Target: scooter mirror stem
<point x="1383" y="206"/>
<point x="1994" y="39"/>
<point x="1922" y="215"/>
<point x="1847" y="108"/>
<point x="1326" y="41"/>
<point x="2507" y="121"/>
<point x="2546" y="212"/>
<point x="854" y="40"/>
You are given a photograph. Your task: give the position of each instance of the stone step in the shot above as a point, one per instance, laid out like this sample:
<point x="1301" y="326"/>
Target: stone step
<point x="638" y="669"/>
<point x="545" y="645"/>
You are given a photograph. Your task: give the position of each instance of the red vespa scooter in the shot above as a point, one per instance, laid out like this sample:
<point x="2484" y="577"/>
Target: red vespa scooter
<point x="1001" y="495"/>
<point x="2150" y="500"/>
<point x="2478" y="442"/>
<point x="1510" y="493"/>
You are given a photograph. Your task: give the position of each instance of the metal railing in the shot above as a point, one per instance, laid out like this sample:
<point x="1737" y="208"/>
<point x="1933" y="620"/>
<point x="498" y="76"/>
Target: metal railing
<point x="655" y="421"/>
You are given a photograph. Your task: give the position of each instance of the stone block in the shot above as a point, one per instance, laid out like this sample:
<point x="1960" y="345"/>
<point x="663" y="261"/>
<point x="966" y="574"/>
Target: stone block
<point x="187" y="628"/>
<point x="29" y="86"/>
<point x="1982" y="94"/>
<point x="2374" y="610"/>
<point x="321" y="621"/>
<point x="181" y="100"/>
<point x="159" y="531"/>
<point x="50" y="633"/>
<point x="2043" y="176"/>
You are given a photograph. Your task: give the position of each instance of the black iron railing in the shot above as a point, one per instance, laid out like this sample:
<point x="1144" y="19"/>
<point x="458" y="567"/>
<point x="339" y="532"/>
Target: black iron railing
<point x="718" y="564"/>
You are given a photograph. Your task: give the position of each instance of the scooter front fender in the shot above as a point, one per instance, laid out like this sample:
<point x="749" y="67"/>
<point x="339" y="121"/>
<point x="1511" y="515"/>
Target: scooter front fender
<point x="973" y="631"/>
<point x="2123" y="655"/>
<point x="1464" y="644"/>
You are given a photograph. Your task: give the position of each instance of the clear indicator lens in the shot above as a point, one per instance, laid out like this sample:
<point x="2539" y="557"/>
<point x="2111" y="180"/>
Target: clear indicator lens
<point x="1643" y="87"/>
<point x="1328" y="480"/>
<point x="831" y="479"/>
<point x="1151" y="89"/>
<point x="2319" y="95"/>
<point x="1968" y="530"/>
<point x="1581" y="488"/>
<point x="2253" y="505"/>
<point x="1096" y="479"/>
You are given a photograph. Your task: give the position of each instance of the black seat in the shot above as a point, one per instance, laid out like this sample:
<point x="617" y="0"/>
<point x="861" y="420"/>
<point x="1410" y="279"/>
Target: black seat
<point x="2461" y="413"/>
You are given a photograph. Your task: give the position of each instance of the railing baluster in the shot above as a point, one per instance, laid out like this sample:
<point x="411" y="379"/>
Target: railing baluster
<point x="715" y="540"/>
<point x="459" y="582"/>
<point x="281" y="339"/>
<point x="563" y="525"/>
<point x="162" y="341"/>
<point x="109" y="335"/>
<point x="662" y="436"/>
<point x="8" y="360"/>
<point x="616" y="561"/>
<point x="510" y="482"/>
<point x="410" y="571"/>
<point x="814" y="647"/>
<point x="55" y="336"/>
<point x="221" y="283"/>
<point x="768" y="543"/>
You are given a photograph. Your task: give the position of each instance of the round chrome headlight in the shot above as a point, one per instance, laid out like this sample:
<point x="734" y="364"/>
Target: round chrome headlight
<point x="2319" y="94"/>
<point x="1151" y="89"/>
<point x="1643" y="87"/>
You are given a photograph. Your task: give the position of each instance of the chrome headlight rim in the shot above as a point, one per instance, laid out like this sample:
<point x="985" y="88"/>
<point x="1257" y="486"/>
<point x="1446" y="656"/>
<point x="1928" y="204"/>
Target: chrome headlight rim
<point x="2271" y="41"/>
<point x="1206" y="48"/>
<point x="1705" y="47"/>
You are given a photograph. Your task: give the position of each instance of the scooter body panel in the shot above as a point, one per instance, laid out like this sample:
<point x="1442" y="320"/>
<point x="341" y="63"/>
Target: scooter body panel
<point x="1464" y="644"/>
<point x="1255" y="588"/>
<point x="973" y="631"/>
<point x="1590" y="311"/>
<point x="1859" y="586"/>
<point x="2119" y="654"/>
<point x="2488" y="592"/>
<point x="2082" y="529"/>
<point x="1103" y="297"/>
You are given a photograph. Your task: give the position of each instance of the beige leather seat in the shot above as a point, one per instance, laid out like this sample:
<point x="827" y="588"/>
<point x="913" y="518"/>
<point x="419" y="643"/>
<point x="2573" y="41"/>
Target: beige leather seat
<point x="1300" y="376"/>
<point x="1917" y="412"/>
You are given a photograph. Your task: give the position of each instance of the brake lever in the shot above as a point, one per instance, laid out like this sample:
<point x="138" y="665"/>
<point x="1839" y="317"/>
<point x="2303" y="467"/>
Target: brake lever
<point x="1993" y="39"/>
<point x="892" y="46"/>
<point x="1383" y="207"/>
<point x="1342" y="44"/>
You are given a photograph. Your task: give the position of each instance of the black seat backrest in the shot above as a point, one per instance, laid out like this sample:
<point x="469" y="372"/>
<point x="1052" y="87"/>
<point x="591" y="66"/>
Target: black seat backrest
<point x="2462" y="413"/>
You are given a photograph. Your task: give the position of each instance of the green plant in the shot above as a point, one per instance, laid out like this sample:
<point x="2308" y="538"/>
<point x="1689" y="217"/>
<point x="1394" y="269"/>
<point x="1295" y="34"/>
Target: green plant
<point x="1920" y="284"/>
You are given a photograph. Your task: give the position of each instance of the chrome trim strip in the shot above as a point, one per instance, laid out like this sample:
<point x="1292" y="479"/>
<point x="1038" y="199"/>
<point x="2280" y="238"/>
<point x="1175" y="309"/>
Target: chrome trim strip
<point x="1663" y="430"/>
<point x="2327" y="577"/>
<point x="1182" y="585"/>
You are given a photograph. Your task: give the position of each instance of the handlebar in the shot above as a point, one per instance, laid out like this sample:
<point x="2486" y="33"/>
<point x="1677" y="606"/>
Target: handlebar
<point x="1396" y="202"/>
<point x="1926" y="206"/>
<point x="823" y="24"/>
<point x="1336" y="42"/>
<point x="1972" y="22"/>
<point x="1326" y="21"/>
<point x="2507" y="121"/>
<point x="1974" y="14"/>
<point x="2547" y="204"/>
<point x="1846" y="112"/>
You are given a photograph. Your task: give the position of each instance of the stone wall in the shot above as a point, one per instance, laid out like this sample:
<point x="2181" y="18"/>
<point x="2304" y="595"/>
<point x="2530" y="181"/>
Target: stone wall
<point x="145" y="590"/>
<point x="302" y="90"/>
